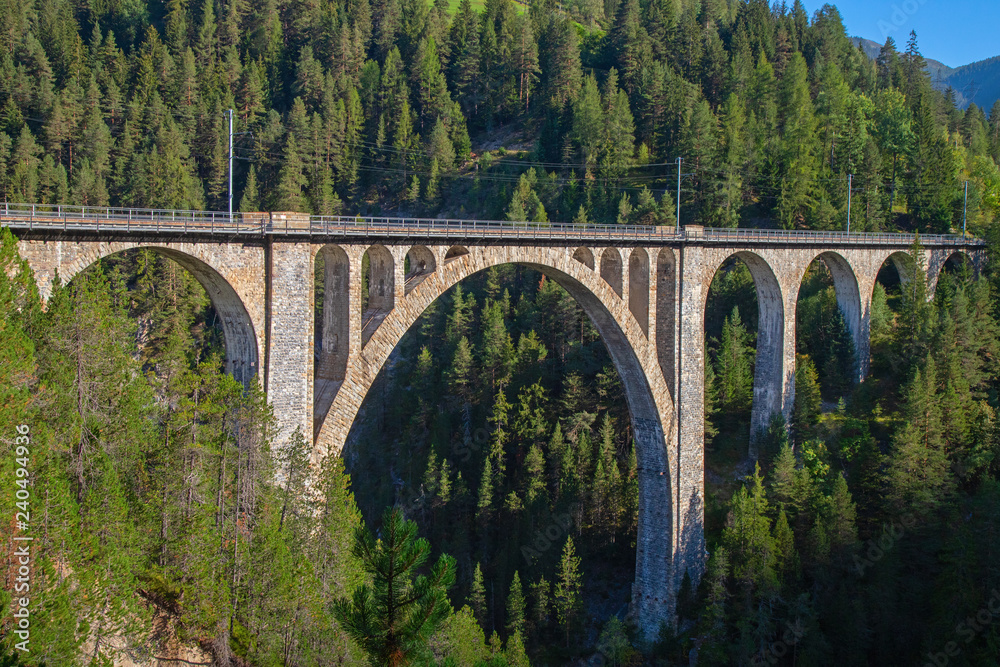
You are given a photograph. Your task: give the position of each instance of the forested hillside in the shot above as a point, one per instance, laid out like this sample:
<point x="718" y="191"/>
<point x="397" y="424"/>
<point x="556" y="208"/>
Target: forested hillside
<point x="552" y="111"/>
<point x="167" y="527"/>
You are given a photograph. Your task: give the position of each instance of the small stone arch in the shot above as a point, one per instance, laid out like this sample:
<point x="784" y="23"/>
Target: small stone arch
<point x="956" y="262"/>
<point x="454" y="253"/>
<point x="903" y="264"/>
<point x="420" y="264"/>
<point x="666" y="316"/>
<point x="769" y="370"/>
<point x="638" y="287"/>
<point x="584" y="256"/>
<point x="959" y="260"/>
<point x="333" y="328"/>
<point x="845" y="285"/>
<point x="381" y="293"/>
<point x="611" y="269"/>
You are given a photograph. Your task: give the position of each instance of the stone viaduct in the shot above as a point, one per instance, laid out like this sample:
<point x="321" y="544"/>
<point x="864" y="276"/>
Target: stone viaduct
<point x="645" y="289"/>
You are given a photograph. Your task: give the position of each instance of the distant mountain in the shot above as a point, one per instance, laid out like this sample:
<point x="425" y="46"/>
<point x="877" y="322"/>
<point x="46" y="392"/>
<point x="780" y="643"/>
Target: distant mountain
<point x="937" y="70"/>
<point x="978" y="82"/>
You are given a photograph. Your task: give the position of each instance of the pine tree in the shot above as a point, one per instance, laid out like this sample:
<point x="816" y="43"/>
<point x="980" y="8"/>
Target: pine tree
<point x="807" y="398"/>
<point x="588" y="123"/>
<point x="918" y="474"/>
<point x="515" y="607"/>
<point x="841" y="527"/>
<point x="540" y="593"/>
<point x="500" y="435"/>
<point x="555" y="452"/>
<point x="477" y="596"/>
<point x="25" y="162"/>
<point x="748" y="537"/>
<point x="562" y="72"/>
<point x="460" y="374"/>
<point x="782" y="482"/>
<point x="398" y="632"/>
<point x="786" y="560"/>
<point x="484" y="506"/>
<point x="567" y="592"/>
<point x="535" y="465"/>
<point x="798" y="146"/>
<point x="735" y="377"/>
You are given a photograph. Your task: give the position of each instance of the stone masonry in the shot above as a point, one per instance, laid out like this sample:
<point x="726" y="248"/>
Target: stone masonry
<point x="646" y="301"/>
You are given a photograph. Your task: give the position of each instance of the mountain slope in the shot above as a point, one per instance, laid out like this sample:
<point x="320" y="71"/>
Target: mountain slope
<point x="938" y="70"/>
<point x="977" y="82"/>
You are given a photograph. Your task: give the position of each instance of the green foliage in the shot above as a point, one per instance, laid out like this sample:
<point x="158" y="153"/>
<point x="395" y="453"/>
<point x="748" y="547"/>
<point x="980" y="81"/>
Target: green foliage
<point x="391" y="108"/>
<point x="393" y="618"/>
<point x="567" y="590"/>
<point x="157" y="477"/>
<point x="807" y="397"/>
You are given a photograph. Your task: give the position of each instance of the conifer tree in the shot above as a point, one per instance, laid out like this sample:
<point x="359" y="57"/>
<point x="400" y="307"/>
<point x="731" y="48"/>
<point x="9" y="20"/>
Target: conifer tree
<point x="291" y="180"/>
<point x="918" y="475"/>
<point x="460" y="374"/>
<point x="735" y="378"/>
<point x="477" y="596"/>
<point x="567" y="591"/>
<point x="798" y="149"/>
<point x="807" y="398"/>
<point x="393" y="617"/>
<point x="515" y="607"/>
<point x="841" y="529"/>
<point x="748" y="537"/>
<point x="535" y="465"/>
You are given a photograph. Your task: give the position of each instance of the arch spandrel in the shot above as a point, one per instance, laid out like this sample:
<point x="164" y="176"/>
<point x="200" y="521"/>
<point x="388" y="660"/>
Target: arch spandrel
<point x="597" y="298"/>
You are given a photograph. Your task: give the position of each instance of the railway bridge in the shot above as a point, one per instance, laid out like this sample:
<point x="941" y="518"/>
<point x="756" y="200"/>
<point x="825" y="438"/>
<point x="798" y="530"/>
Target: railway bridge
<point x="644" y="288"/>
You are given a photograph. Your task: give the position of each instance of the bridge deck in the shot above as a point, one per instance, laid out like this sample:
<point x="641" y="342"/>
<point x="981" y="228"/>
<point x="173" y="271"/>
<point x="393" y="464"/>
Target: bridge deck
<point x="128" y="221"/>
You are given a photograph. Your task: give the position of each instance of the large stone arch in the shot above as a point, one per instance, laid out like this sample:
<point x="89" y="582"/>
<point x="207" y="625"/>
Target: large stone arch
<point x="234" y="285"/>
<point x="649" y="403"/>
<point x="770" y="382"/>
<point x="939" y="260"/>
<point x="848" y="291"/>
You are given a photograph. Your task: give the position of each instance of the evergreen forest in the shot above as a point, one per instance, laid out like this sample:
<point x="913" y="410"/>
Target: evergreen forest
<point x="484" y="511"/>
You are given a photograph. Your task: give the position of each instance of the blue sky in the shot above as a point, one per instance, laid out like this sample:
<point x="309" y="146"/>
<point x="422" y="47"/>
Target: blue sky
<point x="955" y="33"/>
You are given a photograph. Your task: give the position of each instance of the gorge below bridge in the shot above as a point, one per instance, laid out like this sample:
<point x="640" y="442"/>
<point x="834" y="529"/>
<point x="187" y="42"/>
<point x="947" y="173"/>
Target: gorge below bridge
<point x="644" y="288"/>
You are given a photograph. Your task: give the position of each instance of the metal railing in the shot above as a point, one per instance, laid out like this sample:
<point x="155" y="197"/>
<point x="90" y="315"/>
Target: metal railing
<point x="152" y="221"/>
